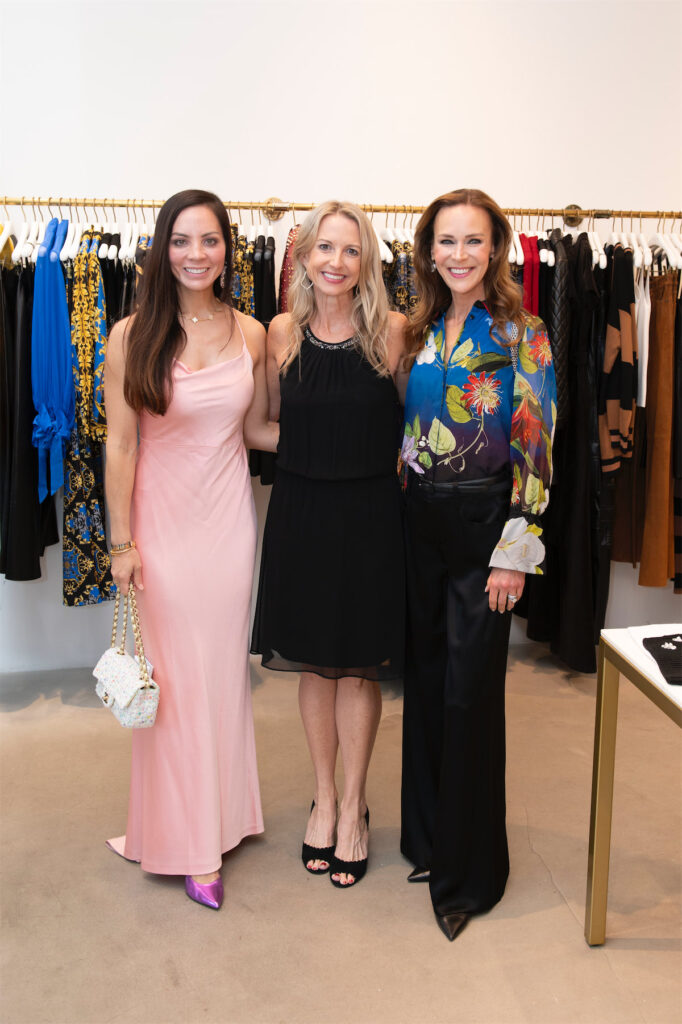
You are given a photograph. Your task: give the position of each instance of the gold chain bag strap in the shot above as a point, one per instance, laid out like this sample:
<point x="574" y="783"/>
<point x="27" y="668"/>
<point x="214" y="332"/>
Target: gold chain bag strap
<point x="123" y="682"/>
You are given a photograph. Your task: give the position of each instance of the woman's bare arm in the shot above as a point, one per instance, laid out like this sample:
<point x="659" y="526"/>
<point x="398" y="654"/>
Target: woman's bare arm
<point x="260" y="431"/>
<point x="121" y="455"/>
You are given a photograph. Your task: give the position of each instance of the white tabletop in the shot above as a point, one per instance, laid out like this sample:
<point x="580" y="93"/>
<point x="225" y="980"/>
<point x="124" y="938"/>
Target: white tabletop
<point x="628" y="643"/>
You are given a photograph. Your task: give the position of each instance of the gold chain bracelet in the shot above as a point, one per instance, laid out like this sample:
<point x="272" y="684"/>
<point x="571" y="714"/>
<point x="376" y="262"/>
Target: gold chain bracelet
<point x="120" y="549"/>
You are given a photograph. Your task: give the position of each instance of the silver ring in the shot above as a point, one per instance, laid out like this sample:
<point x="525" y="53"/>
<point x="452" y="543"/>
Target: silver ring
<point x="511" y="598"/>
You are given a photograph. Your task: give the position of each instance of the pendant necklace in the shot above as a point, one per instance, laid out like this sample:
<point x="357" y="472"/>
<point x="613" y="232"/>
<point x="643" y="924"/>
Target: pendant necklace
<point x="196" y="319"/>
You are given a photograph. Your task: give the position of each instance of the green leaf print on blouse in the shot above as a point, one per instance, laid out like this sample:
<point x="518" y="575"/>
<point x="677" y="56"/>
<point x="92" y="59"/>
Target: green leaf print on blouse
<point x="526" y="360"/>
<point x="454" y="399"/>
<point x="441" y="440"/>
<point x="413" y="429"/>
<point x="488" y="361"/>
<point x="480" y="361"/>
<point x="459" y="356"/>
<point x="532" y="491"/>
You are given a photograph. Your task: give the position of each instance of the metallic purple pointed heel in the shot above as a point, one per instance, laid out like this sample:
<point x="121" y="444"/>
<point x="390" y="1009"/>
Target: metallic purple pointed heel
<point x="210" y="894"/>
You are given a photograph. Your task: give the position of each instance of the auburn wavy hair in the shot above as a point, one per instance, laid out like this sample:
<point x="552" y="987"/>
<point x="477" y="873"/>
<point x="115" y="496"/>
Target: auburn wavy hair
<point x="155" y="335"/>
<point x="502" y="296"/>
<point x="369" y="314"/>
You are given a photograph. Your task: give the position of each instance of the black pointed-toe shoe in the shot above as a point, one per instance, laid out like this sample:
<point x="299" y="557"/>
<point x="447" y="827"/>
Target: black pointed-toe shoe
<point x="452" y="924"/>
<point x="419" y="875"/>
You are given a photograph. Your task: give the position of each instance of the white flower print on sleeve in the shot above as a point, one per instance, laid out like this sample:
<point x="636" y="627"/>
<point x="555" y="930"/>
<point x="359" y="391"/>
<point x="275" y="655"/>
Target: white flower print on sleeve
<point x="519" y="547"/>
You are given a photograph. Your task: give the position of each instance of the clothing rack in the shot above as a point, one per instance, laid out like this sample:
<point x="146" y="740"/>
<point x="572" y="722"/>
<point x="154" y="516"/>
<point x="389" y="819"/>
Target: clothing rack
<point x="274" y="209"/>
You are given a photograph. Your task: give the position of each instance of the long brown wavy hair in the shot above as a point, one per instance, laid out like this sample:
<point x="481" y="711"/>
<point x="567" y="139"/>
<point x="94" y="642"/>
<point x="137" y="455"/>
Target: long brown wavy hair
<point x="369" y="314"/>
<point x="502" y="297"/>
<point x="155" y="336"/>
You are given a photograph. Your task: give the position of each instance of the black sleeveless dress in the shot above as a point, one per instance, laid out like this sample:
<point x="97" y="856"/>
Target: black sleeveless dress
<point x="331" y="597"/>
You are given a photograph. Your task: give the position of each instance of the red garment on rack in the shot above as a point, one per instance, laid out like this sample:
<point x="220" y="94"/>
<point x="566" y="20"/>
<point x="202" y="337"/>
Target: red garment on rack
<point x="287" y="271"/>
<point x="531" y="273"/>
<point x="535" y="253"/>
<point x="527" y="273"/>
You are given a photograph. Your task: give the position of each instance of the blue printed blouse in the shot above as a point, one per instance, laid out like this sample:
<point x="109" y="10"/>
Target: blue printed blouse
<point x="478" y="416"/>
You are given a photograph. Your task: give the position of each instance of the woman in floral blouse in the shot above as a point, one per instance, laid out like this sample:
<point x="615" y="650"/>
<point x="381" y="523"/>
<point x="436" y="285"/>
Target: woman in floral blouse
<point x="477" y="464"/>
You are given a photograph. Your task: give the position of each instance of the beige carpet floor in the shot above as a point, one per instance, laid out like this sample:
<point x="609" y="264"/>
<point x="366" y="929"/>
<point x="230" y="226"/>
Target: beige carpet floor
<point x="88" y="939"/>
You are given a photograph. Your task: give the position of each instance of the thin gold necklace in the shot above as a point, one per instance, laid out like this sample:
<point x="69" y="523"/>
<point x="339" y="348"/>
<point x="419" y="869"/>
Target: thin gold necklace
<point x="196" y="319"/>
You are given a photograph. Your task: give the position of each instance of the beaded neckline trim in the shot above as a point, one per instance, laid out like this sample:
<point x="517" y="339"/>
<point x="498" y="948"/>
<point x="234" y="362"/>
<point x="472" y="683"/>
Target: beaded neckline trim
<point x="318" y="343"/>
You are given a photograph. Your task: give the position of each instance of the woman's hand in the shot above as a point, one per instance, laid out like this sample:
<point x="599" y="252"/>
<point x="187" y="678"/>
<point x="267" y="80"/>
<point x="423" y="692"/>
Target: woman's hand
<point x="504" y="588"/>
<point x="126" y="567"/>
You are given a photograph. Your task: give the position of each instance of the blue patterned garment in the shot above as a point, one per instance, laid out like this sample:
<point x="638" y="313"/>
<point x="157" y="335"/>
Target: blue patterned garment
<point x="86" y="565"/>
<point x="478" y="416"/>
<point x="52" y="387"/>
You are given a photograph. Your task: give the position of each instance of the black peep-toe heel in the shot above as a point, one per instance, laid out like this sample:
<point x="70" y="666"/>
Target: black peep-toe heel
<point x="316" y="853"/>
<point x="357" y="868"/>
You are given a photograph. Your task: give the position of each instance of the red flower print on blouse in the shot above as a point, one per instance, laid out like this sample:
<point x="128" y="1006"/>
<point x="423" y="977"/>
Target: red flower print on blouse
<point x="525" y="426"/>
<point x="541" y="351"/>
<point x="483" y="393"/>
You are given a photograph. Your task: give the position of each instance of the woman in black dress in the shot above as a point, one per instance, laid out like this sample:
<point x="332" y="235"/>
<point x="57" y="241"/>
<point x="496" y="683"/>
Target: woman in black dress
<point x="331" y="595"/>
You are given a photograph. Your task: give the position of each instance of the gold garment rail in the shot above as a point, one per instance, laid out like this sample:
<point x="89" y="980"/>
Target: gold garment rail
<point x="275" y="208"/>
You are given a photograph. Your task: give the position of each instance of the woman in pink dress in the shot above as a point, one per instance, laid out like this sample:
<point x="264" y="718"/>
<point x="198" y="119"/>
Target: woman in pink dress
<point x="185" y="391"/>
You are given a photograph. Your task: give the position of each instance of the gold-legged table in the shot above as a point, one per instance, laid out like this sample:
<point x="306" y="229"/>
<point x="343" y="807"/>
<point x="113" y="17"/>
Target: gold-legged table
<point x="620" y="653"/>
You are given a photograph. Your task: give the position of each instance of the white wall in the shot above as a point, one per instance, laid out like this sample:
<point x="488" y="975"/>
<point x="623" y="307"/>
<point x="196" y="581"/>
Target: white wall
<point x="541" y="104"/>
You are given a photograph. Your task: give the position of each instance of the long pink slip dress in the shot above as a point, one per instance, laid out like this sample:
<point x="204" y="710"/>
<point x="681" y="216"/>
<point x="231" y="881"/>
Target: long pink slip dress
<point x="194" y="785"/>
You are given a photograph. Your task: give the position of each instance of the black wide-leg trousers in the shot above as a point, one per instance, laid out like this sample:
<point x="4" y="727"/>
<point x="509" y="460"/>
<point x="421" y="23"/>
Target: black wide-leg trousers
<point x="453" y="791"/>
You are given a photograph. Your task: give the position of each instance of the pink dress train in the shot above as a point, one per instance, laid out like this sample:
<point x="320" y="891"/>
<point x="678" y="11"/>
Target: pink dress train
<point x="194" y="785"/>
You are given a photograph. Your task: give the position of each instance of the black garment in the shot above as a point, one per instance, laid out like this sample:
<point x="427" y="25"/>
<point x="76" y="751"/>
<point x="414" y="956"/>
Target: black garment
<point x="618" y="373"/>
<point x="127" y="289"/>
<point x="677" y="452"/>
<point x="259" y="250"/>
<point x="331" y="592"/>
<point x="6" y="399"/>
<point x="106" y="277"/>
<point x="545" y="285"/>
<point x="559" y="324"/>
<point x="677" y="394"/>
<point x="629" y="501"/>
<point x="263" y="463"/>
<point x="453" y="787"/>
<point x="112" y="280"/>
<point x="677" y="535"/>
<point x="560" y="604"/>
<point x="269" y="298"/>
<point x="667" y="650"/>
<point x="28" y="526"/>
<point x="574" y="638"/>
<point x="602" y="487"/>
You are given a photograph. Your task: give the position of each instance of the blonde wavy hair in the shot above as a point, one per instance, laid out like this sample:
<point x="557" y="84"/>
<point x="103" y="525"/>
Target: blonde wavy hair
<point x="369" y="315"/>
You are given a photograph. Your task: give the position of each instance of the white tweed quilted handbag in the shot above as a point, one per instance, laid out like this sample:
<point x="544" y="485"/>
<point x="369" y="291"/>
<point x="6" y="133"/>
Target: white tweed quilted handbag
<point x="123" y="681"/>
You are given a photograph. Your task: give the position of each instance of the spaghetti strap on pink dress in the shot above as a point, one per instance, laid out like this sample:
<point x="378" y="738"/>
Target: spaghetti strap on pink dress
<point x="194" y="785"/>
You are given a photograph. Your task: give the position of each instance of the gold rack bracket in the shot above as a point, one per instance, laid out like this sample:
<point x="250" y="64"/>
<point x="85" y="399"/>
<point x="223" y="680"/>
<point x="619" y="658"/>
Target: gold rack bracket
<point x="573" y="219"/>
<point x="274" y="208"/>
